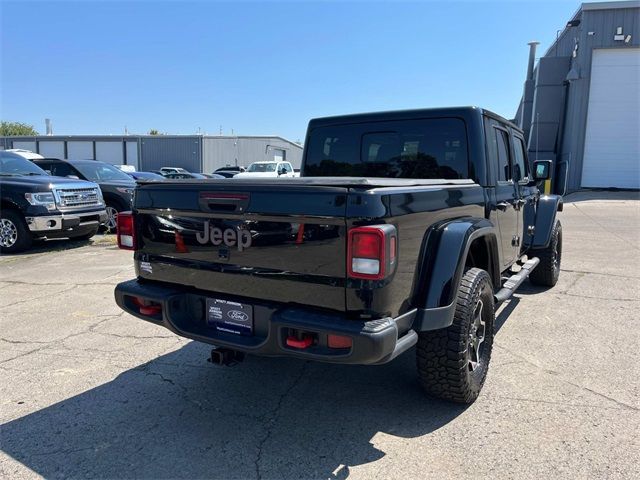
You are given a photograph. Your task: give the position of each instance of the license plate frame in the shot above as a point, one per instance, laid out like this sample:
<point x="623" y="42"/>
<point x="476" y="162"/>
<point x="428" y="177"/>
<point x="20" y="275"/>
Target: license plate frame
<point x="227" y="316"/>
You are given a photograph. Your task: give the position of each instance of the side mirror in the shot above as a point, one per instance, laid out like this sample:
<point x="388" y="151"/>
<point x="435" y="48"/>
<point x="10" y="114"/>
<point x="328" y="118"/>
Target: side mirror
<point x="542" y="170"/>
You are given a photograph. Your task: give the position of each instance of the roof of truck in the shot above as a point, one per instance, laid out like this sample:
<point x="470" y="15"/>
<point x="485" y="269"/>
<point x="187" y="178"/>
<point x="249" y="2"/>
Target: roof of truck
<point x="409" y="114"/>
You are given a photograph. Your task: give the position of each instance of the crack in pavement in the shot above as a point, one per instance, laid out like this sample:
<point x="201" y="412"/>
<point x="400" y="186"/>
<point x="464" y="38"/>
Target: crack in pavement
<point x="51" y="343"/>
<point x="32" y="299"/>
<point x="20" y="342"/>
<point x="607" y="230"/>
<point x="591" y="297"/>
<point x="588" y="272"/>
<point x="573" y="283"/>
<point x="562" y="404"/>
<point x="559" y="376"/>
<point x="269" y="418"/>
<point x="579" y="276"/>
<point x="146" y="369"/>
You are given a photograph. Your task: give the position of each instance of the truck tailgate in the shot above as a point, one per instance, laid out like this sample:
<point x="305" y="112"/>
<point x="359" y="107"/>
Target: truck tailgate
<point x="283" y="243"/>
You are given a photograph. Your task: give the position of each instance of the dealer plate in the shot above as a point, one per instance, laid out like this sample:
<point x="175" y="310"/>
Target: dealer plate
<point x="230" y="317"/>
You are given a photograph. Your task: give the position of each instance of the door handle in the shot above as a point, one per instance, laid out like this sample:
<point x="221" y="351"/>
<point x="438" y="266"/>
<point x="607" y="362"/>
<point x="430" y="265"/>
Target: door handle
<point x="519" y="204"/>
<point x="502" y="206"/>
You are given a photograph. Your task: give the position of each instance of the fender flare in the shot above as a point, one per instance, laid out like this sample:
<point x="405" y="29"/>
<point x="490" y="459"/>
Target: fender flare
<point x="546" y="211"/>
<point x="441" y="267"/>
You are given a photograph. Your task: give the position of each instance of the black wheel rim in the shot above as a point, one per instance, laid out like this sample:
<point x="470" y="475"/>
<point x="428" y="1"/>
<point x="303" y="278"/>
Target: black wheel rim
<point x="477" y="331"/>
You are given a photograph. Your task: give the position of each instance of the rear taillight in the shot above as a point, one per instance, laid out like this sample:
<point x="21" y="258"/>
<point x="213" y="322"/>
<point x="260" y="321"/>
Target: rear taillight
<point x="371" y="251"/>
<point x="126" y="231"/>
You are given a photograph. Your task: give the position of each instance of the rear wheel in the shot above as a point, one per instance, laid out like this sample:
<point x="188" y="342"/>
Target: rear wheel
<point x="14" y="233"/>
<point x="453" y="362"/>
<point x="548" y="270"/>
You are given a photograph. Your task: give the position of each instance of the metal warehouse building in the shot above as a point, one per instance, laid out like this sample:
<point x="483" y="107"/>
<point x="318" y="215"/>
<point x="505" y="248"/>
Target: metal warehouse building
<point x="196" y="153"/>
<point x="581" y="102"/>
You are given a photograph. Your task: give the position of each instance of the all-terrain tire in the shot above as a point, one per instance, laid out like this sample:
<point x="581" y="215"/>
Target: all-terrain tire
<point x="443" y="356"/>
<point x="548" y="270"/>
<point x="14" y="234"/>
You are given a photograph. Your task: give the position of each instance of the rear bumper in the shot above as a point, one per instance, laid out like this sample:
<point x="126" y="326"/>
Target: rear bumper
<point x="183" y="312"/>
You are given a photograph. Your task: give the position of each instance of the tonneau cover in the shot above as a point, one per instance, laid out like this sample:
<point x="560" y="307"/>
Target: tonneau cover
<point x="345" y="182"/>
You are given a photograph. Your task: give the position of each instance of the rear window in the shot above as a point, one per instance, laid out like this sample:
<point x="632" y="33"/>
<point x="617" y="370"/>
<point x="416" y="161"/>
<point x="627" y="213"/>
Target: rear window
<point x="428" y="148"/>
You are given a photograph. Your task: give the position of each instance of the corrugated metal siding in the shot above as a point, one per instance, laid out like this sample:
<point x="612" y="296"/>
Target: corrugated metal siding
<point x="168" y="151"/>
<point x="195" y="153"/>
<point x="219" y="152"/>
<point x="222" y="151"/>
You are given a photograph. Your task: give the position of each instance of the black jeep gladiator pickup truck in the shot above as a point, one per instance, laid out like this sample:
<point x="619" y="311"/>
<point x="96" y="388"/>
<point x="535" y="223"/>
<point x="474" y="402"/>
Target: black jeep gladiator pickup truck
<point x="406" y="228"/>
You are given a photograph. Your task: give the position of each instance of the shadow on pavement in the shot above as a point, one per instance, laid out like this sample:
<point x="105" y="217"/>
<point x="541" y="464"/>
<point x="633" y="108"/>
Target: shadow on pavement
<point x="178" y="417"/>
<point x="601" y="194"/>
<point x="62" y="244"/>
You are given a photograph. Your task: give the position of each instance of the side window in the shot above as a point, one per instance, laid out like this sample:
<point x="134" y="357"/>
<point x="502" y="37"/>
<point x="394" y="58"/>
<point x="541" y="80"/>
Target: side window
<point x="76" y="172"/>
<point x="61" y="170"/>
<point x="45" y="166"/>
<point x="504" y="170"/>
<point x="519" y="160"/>
<point x="287" y="167"/>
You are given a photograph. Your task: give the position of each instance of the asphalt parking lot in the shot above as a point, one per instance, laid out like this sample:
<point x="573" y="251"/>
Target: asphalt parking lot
<point x="88" y="391"/>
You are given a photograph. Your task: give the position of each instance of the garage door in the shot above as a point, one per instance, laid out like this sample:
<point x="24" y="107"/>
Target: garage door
<point x="612" y="143"/>
<point x="278" y="155"/>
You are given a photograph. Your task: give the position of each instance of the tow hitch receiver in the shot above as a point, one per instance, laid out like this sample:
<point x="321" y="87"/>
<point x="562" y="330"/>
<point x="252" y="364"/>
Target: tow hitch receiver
<point x="299" y="340"/>
<point x="225" y="357"/>
<point x="147" y="307"/>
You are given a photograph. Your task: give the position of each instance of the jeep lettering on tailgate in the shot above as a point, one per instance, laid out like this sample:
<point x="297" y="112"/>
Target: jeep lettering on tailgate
<point x="239" y="237"/>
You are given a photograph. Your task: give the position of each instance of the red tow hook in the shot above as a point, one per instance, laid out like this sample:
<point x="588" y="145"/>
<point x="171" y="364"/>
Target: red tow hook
<point x="148" y="310"/>
<point x="302" y="343"/>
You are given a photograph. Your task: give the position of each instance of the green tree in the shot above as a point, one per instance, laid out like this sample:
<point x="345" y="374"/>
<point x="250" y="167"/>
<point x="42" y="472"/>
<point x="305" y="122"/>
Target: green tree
<point x="16" y="128"/>
<point x="153" y="131"/>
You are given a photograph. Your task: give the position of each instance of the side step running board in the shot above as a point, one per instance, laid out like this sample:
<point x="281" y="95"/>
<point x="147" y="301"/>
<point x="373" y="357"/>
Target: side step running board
<point x="514" y="281"/>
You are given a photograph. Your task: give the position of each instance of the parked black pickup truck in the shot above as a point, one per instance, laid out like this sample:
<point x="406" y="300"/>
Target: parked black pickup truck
<point x="406" y="228"/>
<point x="35" y="204"/>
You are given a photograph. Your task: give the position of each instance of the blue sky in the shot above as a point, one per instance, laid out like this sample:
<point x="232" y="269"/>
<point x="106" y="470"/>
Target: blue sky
<point x="259" y="68"/>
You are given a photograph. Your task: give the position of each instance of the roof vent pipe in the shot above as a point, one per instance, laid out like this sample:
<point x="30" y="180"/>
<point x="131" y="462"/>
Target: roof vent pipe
<point x="49" y="128"/>
<point x="532" y="59"/>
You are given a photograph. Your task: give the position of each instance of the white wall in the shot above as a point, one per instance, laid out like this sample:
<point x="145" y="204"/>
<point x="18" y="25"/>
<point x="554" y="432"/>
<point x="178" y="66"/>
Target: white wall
<point x="24" y="145"/>
<point x="132" y="154"/>
<point x="80" y="150"/>
<point x="110" y="152"/>
<point x="51" y="149"/>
